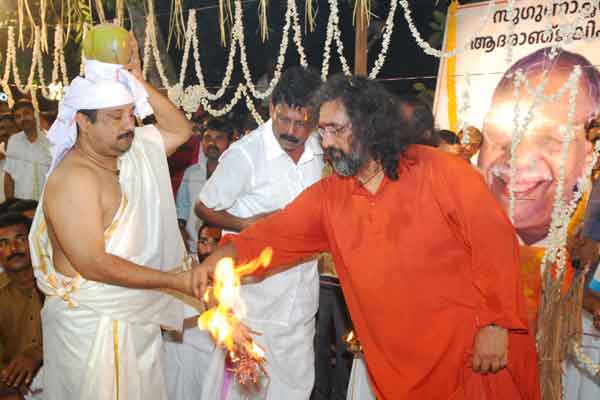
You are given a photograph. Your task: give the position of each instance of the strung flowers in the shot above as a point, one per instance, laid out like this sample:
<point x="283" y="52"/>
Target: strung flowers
<point x="385" y="42"/>
<point x="427" y="47"/>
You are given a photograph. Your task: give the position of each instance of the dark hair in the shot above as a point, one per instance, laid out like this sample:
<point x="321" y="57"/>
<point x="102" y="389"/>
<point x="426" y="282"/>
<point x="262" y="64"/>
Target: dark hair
<point x="375" y="118"/>
<point x="22" y="104"/>
<point x="447" y="136"/>
<point x="296" y="87"/>
<point x="219" y="125"/>
<point x="4" y="206"/>
<point x="13" y="219"/>
<point x="420" y="119"/>
<point x="7" y="116"/>
<point x="23" y="205"/>
<point x="206" y="225"/>
<point x="92" y="115"/>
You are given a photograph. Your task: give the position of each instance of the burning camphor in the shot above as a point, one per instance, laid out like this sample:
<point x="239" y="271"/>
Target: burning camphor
<point x="224" y="320"/>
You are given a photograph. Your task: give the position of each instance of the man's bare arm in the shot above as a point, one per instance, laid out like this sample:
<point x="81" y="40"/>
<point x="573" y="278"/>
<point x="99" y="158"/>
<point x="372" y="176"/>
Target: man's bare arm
<point x="9" y="186"/>
<point x="221" y="219"/>
<point x="172" y="124"/>
<point x="225" y="220"/>
<point x="82" y="238"/>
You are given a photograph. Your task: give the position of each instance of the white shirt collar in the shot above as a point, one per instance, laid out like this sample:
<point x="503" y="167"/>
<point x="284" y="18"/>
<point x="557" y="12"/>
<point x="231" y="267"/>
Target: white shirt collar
<point x="312" y="146"/>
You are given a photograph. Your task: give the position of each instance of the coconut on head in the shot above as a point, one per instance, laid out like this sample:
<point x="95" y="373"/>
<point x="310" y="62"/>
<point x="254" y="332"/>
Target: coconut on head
<point x="107" y="43"/>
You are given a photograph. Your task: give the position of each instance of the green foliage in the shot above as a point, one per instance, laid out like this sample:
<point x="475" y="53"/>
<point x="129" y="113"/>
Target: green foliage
<point x="80" y="14"/>
<point x="424" y="93"/>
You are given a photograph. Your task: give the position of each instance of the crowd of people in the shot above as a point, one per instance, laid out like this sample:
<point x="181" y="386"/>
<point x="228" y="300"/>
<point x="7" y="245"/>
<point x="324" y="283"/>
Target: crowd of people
<point x="380" y="224"/>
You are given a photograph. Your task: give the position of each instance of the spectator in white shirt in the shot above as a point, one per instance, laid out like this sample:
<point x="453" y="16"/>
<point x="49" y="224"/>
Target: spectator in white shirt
<point x="260" y="174"/>
<point x="27" y="156"/>
<point x="7" y="129"/>
<point x="217" y="135"/>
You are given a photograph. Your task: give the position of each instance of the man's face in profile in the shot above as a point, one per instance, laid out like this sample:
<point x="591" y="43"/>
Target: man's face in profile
<point x="538" y="155"/>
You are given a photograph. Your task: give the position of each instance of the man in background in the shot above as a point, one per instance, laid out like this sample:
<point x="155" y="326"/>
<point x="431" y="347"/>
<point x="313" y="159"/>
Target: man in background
<point x="27" y="156"/>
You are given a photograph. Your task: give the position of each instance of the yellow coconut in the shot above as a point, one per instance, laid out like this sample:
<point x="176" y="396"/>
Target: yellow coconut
<point x="107" y="43"/>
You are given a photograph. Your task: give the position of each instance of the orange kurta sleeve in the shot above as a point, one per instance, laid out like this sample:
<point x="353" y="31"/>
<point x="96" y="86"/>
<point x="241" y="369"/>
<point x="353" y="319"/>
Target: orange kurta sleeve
<point x="480" y="220"/>
<point x="295" y="233"/>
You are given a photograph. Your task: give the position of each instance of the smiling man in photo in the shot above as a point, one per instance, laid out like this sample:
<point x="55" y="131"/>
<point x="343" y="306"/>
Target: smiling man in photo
<point x="538" y="156"/>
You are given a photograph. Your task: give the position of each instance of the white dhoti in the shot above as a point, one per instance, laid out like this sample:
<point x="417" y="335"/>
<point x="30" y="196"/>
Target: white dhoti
<point x="187" y="361"/>
<point x="359" y="386"/>
<point x="103" y="341"/>
<point x="289" y="363"/>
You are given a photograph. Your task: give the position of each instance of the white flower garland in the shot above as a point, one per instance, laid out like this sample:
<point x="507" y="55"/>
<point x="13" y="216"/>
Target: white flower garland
<point x="228" y="69"/>
<point x="297" y="33"/>
<point x="556" y="252"/>
<point x="327" y="46"/>
<point x="423" y="44"/>
<point x="239" y="28"/>
<point x="227" y="108"/>
<point x="252" y="109"/>
<point x="464" y="110"/>
<point x="520" y="128"/>
<point x="11" y="61"/>
<point x="337" y="35"/>
<point x="385" y="42"/>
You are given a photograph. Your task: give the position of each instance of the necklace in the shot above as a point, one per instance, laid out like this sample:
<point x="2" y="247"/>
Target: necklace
<point x="98" y="163"/>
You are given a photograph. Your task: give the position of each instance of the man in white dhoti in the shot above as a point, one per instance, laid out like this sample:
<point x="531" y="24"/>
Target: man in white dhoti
<point x="104" y="235"/>
<point x="260" y="174"/>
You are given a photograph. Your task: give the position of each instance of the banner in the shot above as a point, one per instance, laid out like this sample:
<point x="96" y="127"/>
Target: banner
<point x="476" y="88"/>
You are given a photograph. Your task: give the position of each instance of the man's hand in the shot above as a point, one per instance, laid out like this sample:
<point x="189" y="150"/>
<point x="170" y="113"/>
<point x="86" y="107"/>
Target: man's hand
<point x="135" y="65"/>
<point x="20" y="371"/>
<point x="490" y="353"/>
<point x="584" y="249"/>
<point x="201" y="279"/>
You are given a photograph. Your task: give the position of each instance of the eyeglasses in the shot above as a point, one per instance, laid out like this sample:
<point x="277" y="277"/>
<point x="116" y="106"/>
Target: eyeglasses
<point x="333" y="130"/>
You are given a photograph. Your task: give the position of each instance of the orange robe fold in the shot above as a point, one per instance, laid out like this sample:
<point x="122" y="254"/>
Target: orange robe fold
<point x="424" y="263"/>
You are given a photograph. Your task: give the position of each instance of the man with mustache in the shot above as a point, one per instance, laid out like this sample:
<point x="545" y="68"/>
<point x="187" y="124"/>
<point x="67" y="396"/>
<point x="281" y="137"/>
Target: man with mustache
<point x="217" y="135"/>
<point x="20" y="306"/>
<point x="27" y="156"/>
<point x="105" y="237"/>
<point x="427" y="259"/>
<point x="257" y="175"/>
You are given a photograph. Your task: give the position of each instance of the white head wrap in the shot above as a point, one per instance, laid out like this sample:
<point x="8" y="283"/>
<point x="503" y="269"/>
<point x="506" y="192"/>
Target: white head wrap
<point x="105" y="85"/>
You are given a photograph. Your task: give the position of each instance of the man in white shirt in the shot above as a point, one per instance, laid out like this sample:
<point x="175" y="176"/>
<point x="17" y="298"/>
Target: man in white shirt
<point x="28" y="156"/>
<point x="258" y="175"/>
<point x="7" y="129"/>
<point x="216" y="137"/>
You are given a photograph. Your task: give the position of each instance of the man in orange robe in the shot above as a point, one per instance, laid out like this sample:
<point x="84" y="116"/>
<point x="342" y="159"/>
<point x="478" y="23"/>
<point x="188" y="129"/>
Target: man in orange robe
<point x="426" y="257"/>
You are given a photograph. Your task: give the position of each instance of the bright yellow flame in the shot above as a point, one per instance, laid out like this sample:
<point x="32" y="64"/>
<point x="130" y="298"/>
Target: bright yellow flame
<point x="257" y="350"/>
<point x="221" y="320"/>
<point x="350" y="337"/>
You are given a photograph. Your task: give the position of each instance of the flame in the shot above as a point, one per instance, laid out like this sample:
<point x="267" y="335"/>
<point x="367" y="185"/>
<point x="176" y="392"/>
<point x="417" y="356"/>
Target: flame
<point x="221" y="321"/>
<point x="350" y="337"/>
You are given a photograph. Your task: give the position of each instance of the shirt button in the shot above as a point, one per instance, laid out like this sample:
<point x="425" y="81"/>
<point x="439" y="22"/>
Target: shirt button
<point x="372" y="203"/>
